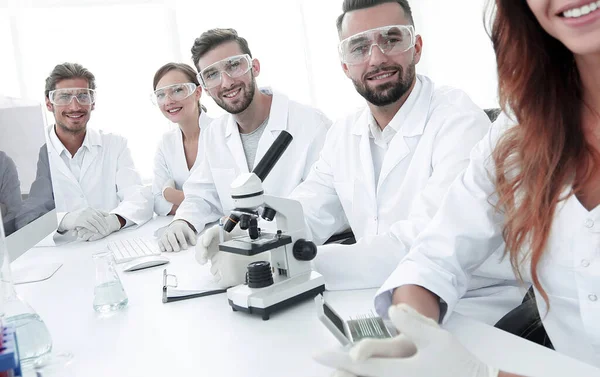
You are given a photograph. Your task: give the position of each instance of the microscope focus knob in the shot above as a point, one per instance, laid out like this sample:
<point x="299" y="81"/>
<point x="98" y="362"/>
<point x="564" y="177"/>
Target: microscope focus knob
<point x="304" y="250"/>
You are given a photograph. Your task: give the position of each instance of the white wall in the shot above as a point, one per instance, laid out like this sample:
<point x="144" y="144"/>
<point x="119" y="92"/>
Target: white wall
<point x="124" y="42"/>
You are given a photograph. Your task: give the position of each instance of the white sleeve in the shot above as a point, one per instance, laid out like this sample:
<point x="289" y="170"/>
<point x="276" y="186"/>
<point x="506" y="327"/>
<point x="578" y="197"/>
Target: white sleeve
<point x="135" y="199"/>
<point x="369" y="262"/>
<point x="161" y="175"/>
<point x="202" y="204"/>
<point x="323" y="211"/>
<point x="464" y="233"/>
<point x="316" y="146"/>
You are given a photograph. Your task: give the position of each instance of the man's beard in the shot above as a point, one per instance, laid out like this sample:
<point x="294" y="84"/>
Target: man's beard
<point x="243" y="104"/>
<point x="388" y="93"/>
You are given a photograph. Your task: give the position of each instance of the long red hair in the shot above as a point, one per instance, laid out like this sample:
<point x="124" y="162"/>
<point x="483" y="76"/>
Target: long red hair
<point x="539" y="83"/>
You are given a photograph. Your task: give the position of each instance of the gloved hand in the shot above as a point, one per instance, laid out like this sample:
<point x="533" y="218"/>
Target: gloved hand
<point x="422" y="349"/>
<point x="88" y="218"/>
<point x="168" y="184"/>
<point x="113" y="222"/>
<point x="208" y="243"/>
<point x="177" y="236"/>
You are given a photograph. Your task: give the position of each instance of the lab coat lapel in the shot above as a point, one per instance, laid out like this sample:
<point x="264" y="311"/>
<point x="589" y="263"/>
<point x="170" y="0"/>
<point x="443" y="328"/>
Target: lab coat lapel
<point x="367" y="178"/>
<point x="56" y="161"/>
<point x="94" y="143"/>
<point x="234" y="143"/>
<point x="278" y="120"/>
<point x="397" y="151"/>
<point x="411" y="124"/>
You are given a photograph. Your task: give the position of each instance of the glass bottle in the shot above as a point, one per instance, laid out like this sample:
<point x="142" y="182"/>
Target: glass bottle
<point x="33" y="336"/>
<point x="109" y="294"/>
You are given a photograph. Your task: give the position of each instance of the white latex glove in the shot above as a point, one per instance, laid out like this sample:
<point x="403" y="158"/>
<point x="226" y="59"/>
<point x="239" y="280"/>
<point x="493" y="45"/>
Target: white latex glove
<point x="168" y="184"/>
<point x="177" y="236"/>
<point x="88" y="218"/>
<point x="208" y="243"/>
<point x="114" y="224"/>
<point x="422" y="349"/>
<point x="230" y="269"/>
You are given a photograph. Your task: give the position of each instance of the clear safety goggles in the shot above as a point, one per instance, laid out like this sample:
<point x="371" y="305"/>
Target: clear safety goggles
<point x="233" y="66"/>
<point x="176" y="92"/>
<point x="391" y="40"/>
<point x="63" y="97"/>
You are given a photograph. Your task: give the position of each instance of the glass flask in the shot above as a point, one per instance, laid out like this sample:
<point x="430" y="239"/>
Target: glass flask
<point x="33" y="336"/>
<point x="109" y="294"/>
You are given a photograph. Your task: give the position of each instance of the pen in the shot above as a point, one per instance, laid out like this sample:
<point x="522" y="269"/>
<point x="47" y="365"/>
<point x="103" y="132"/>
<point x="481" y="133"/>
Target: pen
<point x="184" y="295"/>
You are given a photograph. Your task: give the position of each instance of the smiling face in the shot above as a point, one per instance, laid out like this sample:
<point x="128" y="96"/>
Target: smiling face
<point x="576" y="23"/>
<point x="382" y="79"/>
<point x="233" y="95"/>
<point x="71" y="118"/>
<point x="184" y="110"/>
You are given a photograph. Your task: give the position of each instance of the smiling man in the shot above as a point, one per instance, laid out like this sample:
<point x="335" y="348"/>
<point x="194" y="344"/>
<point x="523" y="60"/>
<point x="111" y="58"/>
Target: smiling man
<point x="97" y="189"/>
<point x="235" y="142"/>
<point x="386" y="167"/>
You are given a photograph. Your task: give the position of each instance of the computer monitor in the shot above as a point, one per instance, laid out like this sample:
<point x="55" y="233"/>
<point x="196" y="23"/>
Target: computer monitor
<point x="27" y="204"/>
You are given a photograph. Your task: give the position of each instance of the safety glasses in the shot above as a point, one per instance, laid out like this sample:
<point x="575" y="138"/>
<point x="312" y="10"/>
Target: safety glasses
<point x="63" y="97"/>
<point x="176" y="92"/>
<point x="391" y="40"/>
<point x="233" y="66"/>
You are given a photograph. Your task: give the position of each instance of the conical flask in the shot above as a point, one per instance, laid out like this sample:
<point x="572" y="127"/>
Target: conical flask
<point x="33" y="336"/>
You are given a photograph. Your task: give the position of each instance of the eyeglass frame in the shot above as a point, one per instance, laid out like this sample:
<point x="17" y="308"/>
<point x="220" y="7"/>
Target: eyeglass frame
<point x="51" y="95"/>
<point x="410" y="28"/>
<point x="155" y="101"/>
<point x="201" y="79"/>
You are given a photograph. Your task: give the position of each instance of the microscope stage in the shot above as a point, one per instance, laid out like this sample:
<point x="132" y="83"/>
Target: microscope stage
<point x="247" y="246"/>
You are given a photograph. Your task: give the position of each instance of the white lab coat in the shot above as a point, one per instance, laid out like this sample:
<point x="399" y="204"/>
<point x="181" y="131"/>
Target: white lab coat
<point x="467" y="230"/>
<point x="207" y="191"/>
<point x="170" y="163"/>
<point x="108" y="180"/>
<point x="438" y="128"/>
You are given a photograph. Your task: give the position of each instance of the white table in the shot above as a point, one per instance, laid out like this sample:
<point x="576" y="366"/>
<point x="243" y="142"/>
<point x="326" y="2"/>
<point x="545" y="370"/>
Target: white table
<point x="204" y="337"/>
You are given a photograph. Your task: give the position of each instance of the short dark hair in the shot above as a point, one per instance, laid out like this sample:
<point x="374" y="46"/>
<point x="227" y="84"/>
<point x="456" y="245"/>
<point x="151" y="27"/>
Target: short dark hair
<point x="67" y="71"/>
<point x="213" y="38"/>
<point x="351" y="5"/>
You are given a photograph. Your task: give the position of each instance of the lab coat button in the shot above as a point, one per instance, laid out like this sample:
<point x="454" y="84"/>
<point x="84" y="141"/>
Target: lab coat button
<point x="589" y="223"/>
<point x="585" y="263"/>
<point x="593" y="297"/>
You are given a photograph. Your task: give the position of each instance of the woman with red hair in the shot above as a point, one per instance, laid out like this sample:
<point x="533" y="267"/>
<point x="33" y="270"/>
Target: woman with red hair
<point x="533" y="183"/>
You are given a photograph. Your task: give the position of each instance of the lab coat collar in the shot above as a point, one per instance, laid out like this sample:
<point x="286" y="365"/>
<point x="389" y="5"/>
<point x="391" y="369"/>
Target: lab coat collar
<point x="410" y="120"/>
<point x="204" y="120"/>
<point x="278" y="114"/>
<point x="92" y="138"/>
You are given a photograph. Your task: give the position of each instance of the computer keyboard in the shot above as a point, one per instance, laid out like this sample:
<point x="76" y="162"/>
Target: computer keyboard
<point x="126" y="250"/>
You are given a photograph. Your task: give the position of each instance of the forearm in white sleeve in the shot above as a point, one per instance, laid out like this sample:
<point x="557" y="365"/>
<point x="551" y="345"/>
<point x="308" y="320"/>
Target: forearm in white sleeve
<point x="462" y="235"/>
<point x="161" y="175"/>
<point x="202" y="204"/>
<point x="323" y="212"/>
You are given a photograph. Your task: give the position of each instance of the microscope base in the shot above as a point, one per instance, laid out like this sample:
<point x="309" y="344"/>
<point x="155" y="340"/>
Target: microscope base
<point x="267" y="300"/>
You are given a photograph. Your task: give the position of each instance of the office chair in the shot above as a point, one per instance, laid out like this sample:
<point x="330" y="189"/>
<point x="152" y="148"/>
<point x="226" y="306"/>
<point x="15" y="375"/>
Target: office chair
<point x="524" y="321"/>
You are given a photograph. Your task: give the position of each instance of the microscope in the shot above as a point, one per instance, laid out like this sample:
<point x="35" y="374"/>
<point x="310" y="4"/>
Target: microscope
<point x="289" y="277"/>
